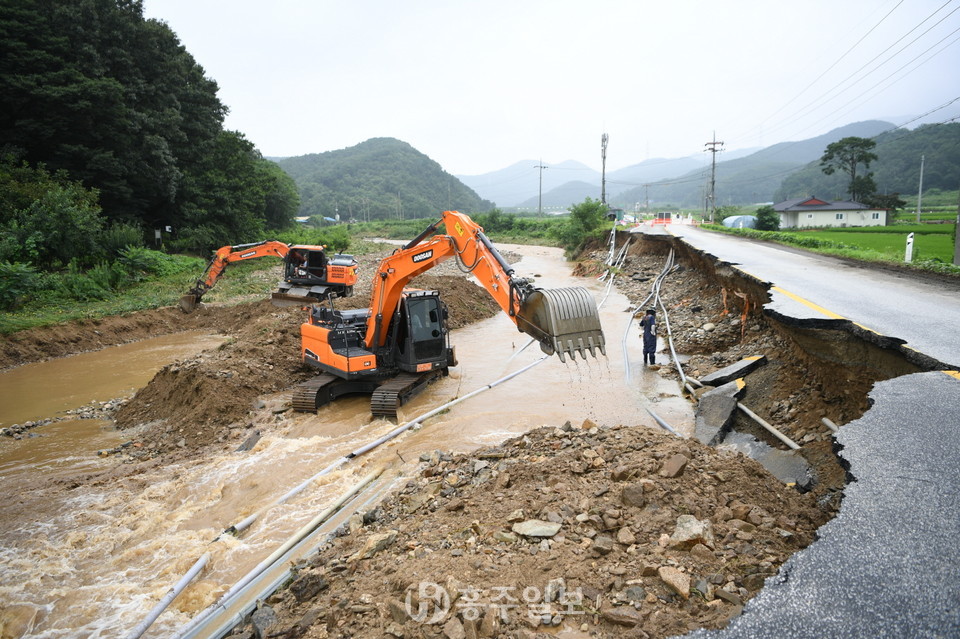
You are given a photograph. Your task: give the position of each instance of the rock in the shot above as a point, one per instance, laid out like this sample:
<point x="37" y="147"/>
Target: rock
<point x="679" y="582"/>
<point x="674" y="466"/>
<point x="635" y="593"/>
<point x="516" y="515"/>
<point x="740" y="510"/>
<point x="536" y="528"/>
<point x="702" y="553"/>
<point x="453" y="629"/>
<point x="490" y="626"/>
<point x="263" y="620"/>
<point x="648" y="570"/>
<point x="633" y="495"/>
<point x="729" y="597"/>
<point x="397" y="610"/>
<point x="588" y="424"/>
<point x="554" y="589"/>
<point x="622" y="616"/>
<point x="691" y="531"/>
<point x="709" y="326"/>
<point x="394" y="630"/>
<point x="621" y="473"/>
<point x="374" y="544"/>
<point x="505" y="537"/>
<point x="307" y="586"/>
<point x="249" y="443"/>
<point x="602" y="544"/>
<point x="626" y="537"/>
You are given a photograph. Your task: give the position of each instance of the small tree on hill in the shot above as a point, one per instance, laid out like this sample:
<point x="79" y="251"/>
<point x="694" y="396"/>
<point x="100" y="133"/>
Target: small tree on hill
<point x="847" y="155"/>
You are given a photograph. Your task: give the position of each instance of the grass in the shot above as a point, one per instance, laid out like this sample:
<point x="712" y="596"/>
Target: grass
<point x="932" y="251"/>
<point x="891" y="245"/>
<point x="241" y="279"/>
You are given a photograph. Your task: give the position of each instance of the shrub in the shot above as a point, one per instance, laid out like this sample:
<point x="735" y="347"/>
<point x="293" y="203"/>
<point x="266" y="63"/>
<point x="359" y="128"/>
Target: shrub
<point x="98" y="283"/>
<point x="17" y="280"/>
<point x="120" y="236"/>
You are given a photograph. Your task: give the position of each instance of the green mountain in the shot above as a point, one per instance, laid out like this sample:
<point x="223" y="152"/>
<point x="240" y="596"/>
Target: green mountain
<point x="750" y="179"/>
<point x="378" y="179"/>
<point x="896" y="169"/>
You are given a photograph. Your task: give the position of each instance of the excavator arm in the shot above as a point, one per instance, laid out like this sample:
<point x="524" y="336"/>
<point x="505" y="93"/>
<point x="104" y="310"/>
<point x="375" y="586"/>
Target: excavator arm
<point x="224" y="256"/>
<point x="564" y="321"/>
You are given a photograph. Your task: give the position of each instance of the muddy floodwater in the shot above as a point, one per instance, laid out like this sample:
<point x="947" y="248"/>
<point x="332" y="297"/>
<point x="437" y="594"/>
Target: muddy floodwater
<point x="93" y="561"/>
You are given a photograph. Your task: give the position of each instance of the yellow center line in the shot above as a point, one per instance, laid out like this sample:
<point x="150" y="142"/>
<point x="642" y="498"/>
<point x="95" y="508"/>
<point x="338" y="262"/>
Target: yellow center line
<point x="807" y="303"/>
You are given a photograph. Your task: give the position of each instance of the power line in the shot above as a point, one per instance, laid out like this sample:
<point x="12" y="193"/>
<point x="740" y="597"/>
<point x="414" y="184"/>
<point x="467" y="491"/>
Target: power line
<point x="823" y="99"/>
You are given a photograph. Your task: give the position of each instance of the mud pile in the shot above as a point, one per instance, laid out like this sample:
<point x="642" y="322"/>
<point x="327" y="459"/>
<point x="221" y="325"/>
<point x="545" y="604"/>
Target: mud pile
<point x="606" y="531"/>
<point x="209" y="398"/>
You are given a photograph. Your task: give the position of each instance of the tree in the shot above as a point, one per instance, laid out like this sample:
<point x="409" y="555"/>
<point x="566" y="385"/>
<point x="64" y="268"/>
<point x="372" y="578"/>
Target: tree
<point x="585" y="219"/>
<point x="847" y="154"/>
<point x="768" y="219"/>
<point x="891" y="202"/>
<point x="46" y="220"/>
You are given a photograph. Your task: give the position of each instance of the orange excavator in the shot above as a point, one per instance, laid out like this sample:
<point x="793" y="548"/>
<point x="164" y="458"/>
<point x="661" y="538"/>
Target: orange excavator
<point x="308" y="275"/>
<point x="400" y="343"/>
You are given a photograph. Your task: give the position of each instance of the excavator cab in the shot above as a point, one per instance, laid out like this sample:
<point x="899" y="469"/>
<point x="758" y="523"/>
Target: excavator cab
<point x="309" y="276"/>
<point x="422" y="339"/>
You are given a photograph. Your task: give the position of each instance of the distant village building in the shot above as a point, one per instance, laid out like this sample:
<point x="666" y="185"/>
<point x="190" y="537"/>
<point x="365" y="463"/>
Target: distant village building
<point x="811" y="212"/>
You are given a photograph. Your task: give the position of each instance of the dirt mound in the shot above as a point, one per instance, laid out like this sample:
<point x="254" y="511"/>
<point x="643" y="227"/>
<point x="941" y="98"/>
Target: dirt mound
<point x="194" y="403"/>
<point x="637" y="530"/>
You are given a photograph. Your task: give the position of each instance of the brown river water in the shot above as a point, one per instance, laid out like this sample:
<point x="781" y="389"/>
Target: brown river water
<point x="93" y="562"/>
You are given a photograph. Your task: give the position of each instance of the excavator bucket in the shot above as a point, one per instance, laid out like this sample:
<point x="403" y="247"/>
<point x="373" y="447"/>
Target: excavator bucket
<point x="564" y="320"/>
<point x="188" y="303"/>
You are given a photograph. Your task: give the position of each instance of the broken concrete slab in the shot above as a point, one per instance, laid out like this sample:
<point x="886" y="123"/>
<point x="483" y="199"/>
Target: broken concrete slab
<point x="715" y="412"/>
<point x="786" y="465"/>
<point x="734" y="371"/>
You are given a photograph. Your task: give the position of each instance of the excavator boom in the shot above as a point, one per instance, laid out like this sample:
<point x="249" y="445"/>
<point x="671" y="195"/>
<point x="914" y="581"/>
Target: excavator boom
<point x="564" y="320"/>
<point x="308" y="275"/>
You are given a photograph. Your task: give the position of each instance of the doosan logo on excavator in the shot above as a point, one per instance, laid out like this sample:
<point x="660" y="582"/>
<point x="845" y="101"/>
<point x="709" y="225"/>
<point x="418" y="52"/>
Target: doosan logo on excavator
<point x="419" y="257"/>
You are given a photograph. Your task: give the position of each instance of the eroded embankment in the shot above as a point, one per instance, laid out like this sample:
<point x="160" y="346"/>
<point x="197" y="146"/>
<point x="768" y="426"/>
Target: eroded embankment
<point x="814" y="369"/>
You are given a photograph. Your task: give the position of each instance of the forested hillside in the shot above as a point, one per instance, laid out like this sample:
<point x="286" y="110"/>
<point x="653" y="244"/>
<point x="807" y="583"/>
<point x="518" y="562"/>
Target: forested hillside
<point x="106" y="112"/>
<point x="897" y="167"/>
<point x="751" y="179"/>
<point x="381" y="178"/>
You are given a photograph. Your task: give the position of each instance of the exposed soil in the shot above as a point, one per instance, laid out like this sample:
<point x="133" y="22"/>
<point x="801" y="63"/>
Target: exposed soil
<point x="619" y="492"/>
<point x="653" y="536"/>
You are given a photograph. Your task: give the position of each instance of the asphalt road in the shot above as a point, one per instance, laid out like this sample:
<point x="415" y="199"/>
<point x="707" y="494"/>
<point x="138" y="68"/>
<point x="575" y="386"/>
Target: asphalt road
<point x="889" y="564"/>
<point x="922" y="312"/>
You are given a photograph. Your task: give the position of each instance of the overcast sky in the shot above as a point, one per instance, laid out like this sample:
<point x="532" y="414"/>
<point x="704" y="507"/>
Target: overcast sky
<point x="479" y="85"/>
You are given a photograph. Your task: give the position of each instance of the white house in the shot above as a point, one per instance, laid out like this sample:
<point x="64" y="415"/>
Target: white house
<point x="813" y="212"/>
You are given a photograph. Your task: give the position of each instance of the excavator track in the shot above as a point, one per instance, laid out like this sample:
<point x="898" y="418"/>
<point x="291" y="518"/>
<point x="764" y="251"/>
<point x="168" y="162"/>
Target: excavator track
<point x="305" y="395"/>
<point x="393" y="394"/>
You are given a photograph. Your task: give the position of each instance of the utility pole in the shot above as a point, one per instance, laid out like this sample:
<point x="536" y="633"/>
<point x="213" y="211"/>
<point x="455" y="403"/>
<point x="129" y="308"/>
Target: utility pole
<point x="603" y="159"/>
<point x="956" y="237"/>
<point x="920" y="190"/>
<point x="713" y="174"/>
<point x="540" y="166"/>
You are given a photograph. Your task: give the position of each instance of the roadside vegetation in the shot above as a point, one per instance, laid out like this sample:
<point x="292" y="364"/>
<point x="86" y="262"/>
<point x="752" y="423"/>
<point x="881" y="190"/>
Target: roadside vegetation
<point x="933" y="244"/>
<point x="122" y="275"/>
